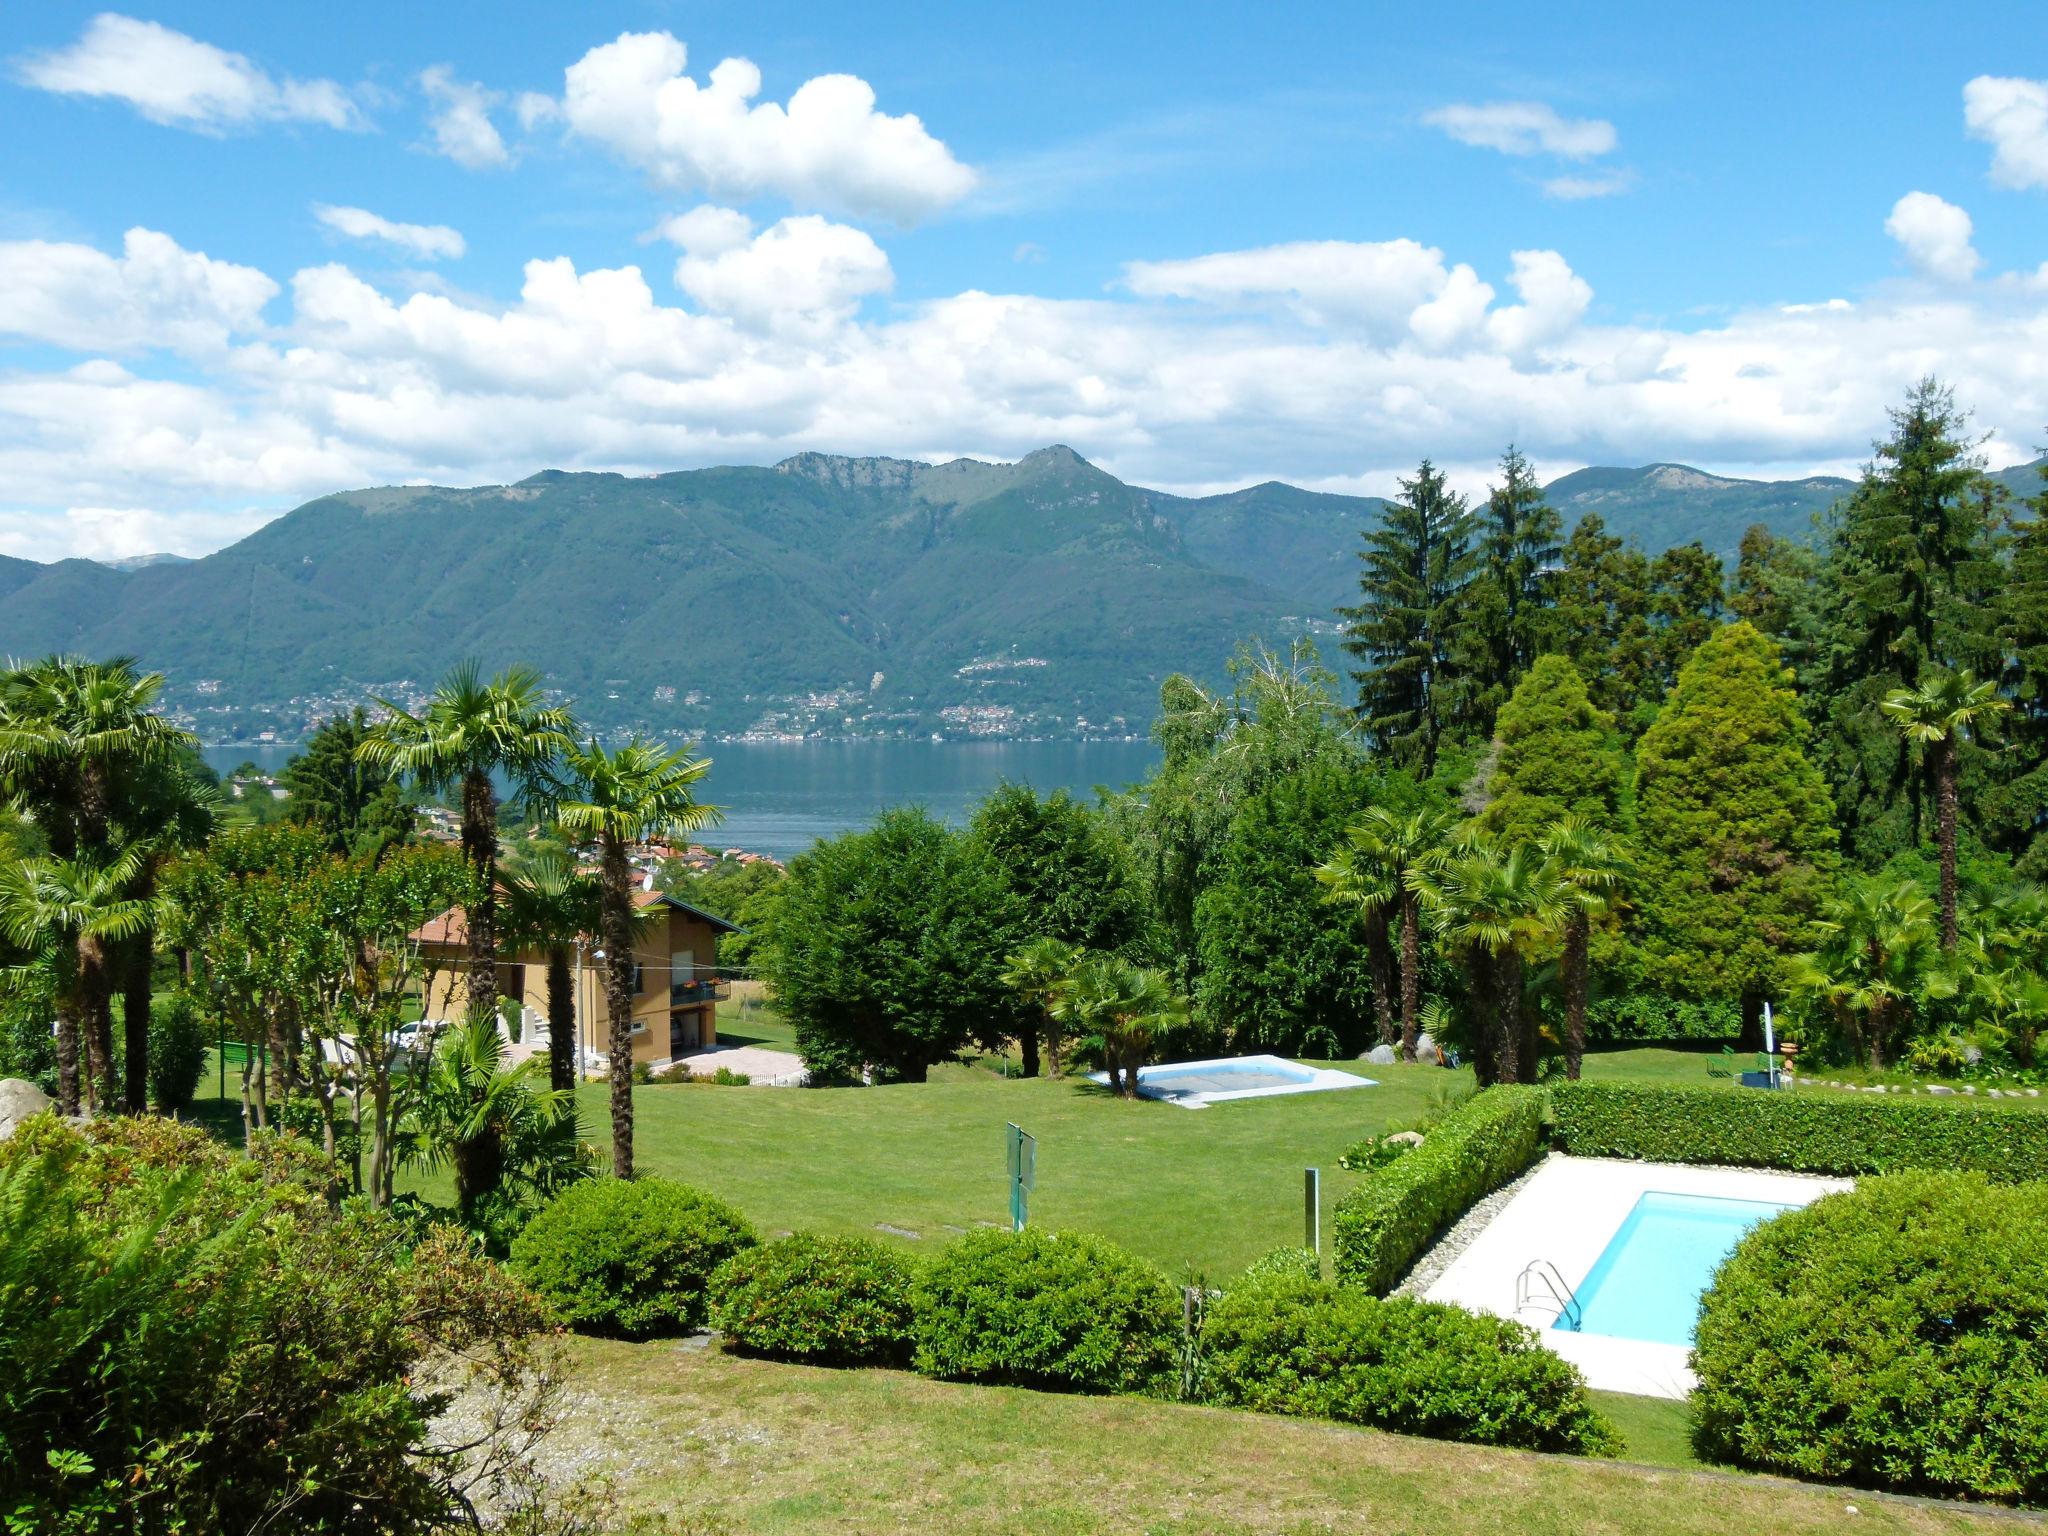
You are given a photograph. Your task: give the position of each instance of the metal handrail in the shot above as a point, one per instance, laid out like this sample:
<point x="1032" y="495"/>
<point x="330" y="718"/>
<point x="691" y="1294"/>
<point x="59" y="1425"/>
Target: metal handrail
<point x="1562" y="1295"/>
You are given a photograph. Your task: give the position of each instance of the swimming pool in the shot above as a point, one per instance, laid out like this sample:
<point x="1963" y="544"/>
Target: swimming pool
<point x="1198" y="1084"/>
<point x="1647" y="1282"/>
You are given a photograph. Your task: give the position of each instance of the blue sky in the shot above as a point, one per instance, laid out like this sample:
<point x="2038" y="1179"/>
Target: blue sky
<point x="1204" y="244"/>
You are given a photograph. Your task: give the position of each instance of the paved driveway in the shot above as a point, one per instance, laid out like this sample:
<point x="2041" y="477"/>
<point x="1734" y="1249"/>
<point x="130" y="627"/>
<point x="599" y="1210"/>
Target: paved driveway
<point x="780" y="1069"/>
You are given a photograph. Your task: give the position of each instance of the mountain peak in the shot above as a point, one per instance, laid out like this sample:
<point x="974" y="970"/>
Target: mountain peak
<point x="1053" y="456"/>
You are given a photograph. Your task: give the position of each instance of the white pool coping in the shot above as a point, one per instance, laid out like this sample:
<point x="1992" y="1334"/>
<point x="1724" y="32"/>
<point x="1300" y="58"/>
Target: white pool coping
<point x="1567" y="1214"/>
<point x="1319" y="1080"/>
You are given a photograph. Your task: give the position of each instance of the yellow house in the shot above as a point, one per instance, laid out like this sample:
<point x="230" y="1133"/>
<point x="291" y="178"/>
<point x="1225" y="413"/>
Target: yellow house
<point x="676" y="980"/>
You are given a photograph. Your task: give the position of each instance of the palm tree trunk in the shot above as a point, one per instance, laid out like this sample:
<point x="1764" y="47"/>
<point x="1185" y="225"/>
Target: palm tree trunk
<point x="1411" y="973"/>
<point x="480" y="848"/>
<point x="1752" y="1036"/>
<point x="1515" y="1065"/>
<point x="479" y="1168"/>
<point x="618" y="995"/>
<point x="561" y="1020"/>
<point x="96" y="988"/>
<point x="1379" y="965"/>
<point x="1945" y="831"/>
<point x="1027" y="1045"/>
<point x="135" y="1003"/>
<point x="1485" y="1017"/>
<point x="1575" y="946"/>
<point x="67" y="1055"/>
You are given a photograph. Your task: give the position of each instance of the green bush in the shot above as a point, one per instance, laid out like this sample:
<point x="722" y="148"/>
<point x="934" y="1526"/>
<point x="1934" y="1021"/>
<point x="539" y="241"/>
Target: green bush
<point x="629" y="1259"/>
<point x="1803" y="1131"/>
<point x="1295" y="1263"/>
<point x="1060" y="1310"/>
<point x="1652" y="1016"/>
<point x="1382" y="1225"/>
<point x="836" y="1300"/>
<point x="178" y="1042"/>
<point x="1297" y="1346"/>
<point x="194" y="1340"/>
<point x="1895" y="1336"/>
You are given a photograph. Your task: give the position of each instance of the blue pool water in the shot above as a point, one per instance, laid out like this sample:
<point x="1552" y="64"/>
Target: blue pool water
<point x="1647" y="1281"/>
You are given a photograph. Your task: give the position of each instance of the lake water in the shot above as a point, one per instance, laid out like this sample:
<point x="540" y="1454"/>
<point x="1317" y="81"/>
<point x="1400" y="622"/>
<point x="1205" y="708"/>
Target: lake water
<point x="780" y="797"/>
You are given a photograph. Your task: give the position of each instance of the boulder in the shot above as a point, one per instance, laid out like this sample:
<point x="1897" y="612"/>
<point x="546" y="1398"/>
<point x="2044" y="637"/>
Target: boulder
<point x="1404" y="1139"/>
<point x="1382" y="1056"/>
<point x="1425" y="1047"/>
<point x="19" y="1099"/>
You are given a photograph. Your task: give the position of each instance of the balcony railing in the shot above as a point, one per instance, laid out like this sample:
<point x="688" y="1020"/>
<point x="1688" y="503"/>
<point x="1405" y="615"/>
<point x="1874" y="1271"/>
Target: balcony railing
<point x="704" y="985"/>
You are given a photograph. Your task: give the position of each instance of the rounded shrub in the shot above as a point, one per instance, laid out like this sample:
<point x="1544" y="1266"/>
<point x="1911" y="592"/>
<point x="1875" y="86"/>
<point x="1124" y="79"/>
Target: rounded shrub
<point x="629" y="1259"/>
<point x="1893" y="1336"/>
<point x="1283" y="1263"/>
<point x="1291" y="1345"/>
<point x="178" y="1038"/>
<point x="833" y="1300"/>
<point x="1062" y="1310"/>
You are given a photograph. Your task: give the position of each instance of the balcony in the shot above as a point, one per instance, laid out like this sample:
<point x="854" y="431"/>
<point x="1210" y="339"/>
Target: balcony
<point x="705" y="985"/>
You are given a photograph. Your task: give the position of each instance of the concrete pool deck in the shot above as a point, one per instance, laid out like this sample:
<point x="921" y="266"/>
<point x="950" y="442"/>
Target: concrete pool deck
<point x="1566" y="1214"/>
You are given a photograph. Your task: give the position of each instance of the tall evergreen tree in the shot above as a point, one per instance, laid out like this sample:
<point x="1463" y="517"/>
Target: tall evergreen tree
<point x="1603" y="618"/>
<point x="1514" y="591"/>
<point x="1558" y="756"/>
<point x="2015" y="810"/>
<point x="1686" y="605"/>
<point x="1734" y="828"/>
<point x="356" y="802"/>
<point x="1910" y="584"/>
<point x="1405" y="629"/>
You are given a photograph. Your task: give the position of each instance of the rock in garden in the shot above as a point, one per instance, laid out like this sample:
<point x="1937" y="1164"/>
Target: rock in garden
<point x="1938" y="1088"/>
<point x="19" y="1099"/>
<point x="1404" y="1139"/>
<point x="1381" y="1056"/>
<point x="1425" y="1047"/>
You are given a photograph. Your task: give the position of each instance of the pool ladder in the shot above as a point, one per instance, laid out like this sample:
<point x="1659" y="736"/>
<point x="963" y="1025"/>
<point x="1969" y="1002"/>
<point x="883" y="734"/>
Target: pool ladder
<point x="1542" y="1273"/>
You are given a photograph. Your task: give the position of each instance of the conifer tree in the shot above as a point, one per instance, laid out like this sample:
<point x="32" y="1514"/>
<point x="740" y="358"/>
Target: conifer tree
<point x="1734" y="828"/>
<point x="1405" y="629"/>
<point x="1558" y="756"/>
<point x="1514" y="590"/>
<point x="1686" y="605"/>
<point x="1603" y="618"/>
<point x="2016" y="810"/>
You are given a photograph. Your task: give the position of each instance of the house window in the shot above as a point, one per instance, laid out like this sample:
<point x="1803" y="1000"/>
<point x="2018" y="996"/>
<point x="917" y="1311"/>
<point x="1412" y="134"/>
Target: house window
<point x="639" y="977"/>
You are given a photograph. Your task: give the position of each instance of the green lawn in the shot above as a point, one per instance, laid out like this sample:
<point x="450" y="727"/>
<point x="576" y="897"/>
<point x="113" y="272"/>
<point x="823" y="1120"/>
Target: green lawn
<point x="742" y="1446"/>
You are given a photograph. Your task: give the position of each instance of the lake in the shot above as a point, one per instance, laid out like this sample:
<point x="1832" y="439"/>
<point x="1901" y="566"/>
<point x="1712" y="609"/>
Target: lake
<point x="780" y="797"/>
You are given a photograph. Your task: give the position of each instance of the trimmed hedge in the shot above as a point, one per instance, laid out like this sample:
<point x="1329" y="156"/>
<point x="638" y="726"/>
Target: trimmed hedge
<point x="834" y="1300"/>
<point x="1066" y="1311"/>
<point x="629" y="1259"/>
<point x="1296" y="1346"/>
<point x="1895" y="1336"/>
<point x="1802" y="1131"/>
<point x="1382" y="1225"/>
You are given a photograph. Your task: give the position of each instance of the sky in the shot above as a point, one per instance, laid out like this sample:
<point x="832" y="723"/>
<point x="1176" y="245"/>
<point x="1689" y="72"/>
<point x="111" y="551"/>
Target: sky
<point x="252" y="254"/>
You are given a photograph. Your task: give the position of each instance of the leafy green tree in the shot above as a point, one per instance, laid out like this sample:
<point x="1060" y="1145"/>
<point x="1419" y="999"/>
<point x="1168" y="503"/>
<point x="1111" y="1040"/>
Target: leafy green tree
<point x="548" y="904"/>
<point x="1405" y="629"/>
<point x="1375" y="872"/>
<point x="1734" y="828"/>
<point x="634" y="794"/>
<point x="1281" y="969"/>
<point x="1937" y="717"/>
<point x="1772" y="588"/>
<point x="1558" y="755"/>
<point x="1493" y="906"/>
<point x="1588" y="873"/>
<point x="1909" y="586"/>
<point x="887" y="948"/>
<point x="356" y="802"/>
<point x="1065" y="875"/>
<point x="1877" y="962"/>
<point x="469" y="730"/>
<point x="1511" y="612"/>
<point x="1127" y="1009"/>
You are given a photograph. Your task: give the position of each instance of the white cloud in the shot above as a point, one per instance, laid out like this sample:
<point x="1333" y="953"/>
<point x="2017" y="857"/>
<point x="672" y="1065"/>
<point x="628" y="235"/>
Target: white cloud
<point x="179" y="80"/>
<point x="534" y="108"/>
<point x="155" y="294"/>
<point x="2011" y="115"/>
<point x="1574" y="189"/>
<point x="116" y="533"/>
<point x="1935" y="235"/>
<point x="1524" y="128"/>
<point x="461" y="120"/>
<point x="428" y="241"/>
<point x="1286" y="365"/>
<point x="828" y="146"/>
<point x="1028" y="251"/>
<point x="803" y="275"/>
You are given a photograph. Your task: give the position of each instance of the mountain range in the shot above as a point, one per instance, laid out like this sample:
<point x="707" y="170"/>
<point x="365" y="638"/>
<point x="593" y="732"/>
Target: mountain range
<point x="823" y="595"/>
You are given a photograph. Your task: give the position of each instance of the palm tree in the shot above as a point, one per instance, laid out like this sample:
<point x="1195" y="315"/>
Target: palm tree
<point x="549" y="905"/>
<point x="1373" y="871"/>
<point x="73" y="913"/>
<point x="1130" y="1008"/>
<point x="1588" y="873"/>
<point x="490" y="1120"/>
<point x="638" y="792"/>
<point x="1038" y="973"/>
<point x="1937" y="717"/>
<point x="68" y="727"/>
<point x="160" y="808"/>
<point x="1491" y="906"/>
<point x="469" y="730"/>
<point x="1877" y="961"/>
